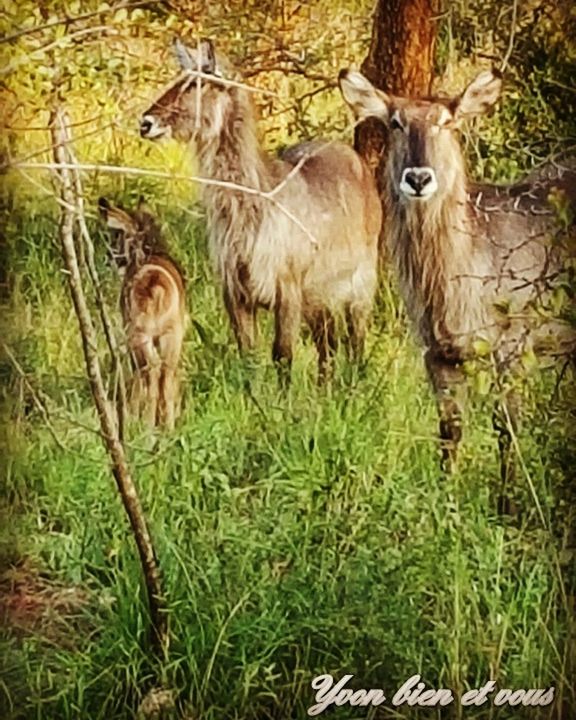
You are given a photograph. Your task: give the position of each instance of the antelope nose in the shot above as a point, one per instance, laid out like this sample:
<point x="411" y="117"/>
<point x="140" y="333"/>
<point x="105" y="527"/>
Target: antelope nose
<point x="418" y="179"/>
<point x="145" y="126"/>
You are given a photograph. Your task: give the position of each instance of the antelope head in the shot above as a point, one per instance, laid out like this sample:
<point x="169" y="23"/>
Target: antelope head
<point x="195" y="102"/>
<point x="137" y="231"/>
<point x="425" y="158"/>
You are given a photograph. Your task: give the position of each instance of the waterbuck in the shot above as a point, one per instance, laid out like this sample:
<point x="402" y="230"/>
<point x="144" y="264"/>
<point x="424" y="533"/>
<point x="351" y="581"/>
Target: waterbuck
<point x="153" y="305"/>
<point x="301" y="239"/>
<point x="472" y="260"/>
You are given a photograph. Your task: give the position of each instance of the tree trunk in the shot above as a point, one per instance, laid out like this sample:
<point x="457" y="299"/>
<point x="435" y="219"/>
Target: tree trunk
<point x="400" y="60"/>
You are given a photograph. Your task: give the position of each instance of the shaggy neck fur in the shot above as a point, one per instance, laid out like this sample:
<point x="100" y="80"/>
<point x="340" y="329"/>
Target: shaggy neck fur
<point x="442" y="270"/>
<point x="234" y="218"/>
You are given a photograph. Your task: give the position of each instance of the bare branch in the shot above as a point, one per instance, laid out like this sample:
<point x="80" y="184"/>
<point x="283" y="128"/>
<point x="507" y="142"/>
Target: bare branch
<point x="76" y="18"/>
<point x="217" y="80"/>
<point x="86" y="242"/>
<point x="118" y="169"/>
<point x="108" y="423"/>
<point x="512" y="33"/>
<point x="39" y="404"/>
<point x="11" y="67"/>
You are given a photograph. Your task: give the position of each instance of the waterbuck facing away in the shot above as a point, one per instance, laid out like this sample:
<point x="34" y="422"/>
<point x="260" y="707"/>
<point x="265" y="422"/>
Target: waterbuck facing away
<point x="153" y="305"/>
<point x="462" y="251"/>
<point x="309" y="250"/>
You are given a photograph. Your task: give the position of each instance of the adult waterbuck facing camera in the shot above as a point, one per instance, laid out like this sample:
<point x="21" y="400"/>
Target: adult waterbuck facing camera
<point x="301" y="240"/>
<point x="153" y="305"/>
<point x="462" y="251"/>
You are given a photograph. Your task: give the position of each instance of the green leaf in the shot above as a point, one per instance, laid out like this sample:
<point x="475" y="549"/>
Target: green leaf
<point x="482" y="347"/>
<point x="482" y="382"/>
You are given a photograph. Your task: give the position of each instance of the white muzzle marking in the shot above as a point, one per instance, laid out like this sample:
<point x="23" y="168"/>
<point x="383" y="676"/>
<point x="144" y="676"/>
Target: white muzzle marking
<point x="418" y="183"/>
<point x="150" y="129"/>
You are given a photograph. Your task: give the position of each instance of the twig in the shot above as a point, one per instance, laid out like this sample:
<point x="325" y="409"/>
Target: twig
<point x="97" y="131"/>
<point x="558" y="382"/>
<point x="112" y="442"/>
<point x="293" y="107"/>
<point x="512" y="34"/>
<point x="11" y="67"/>
<point x="516" y="445"/>
<point x="525" y="470"/>
<point x="39" y="404"/>
<point x="295" y="170"/>
<point x="76" y="18"/>
<point x="216" y="79"/>
<point x="118" y="169"/>
<point x="46" y="191"/>
<point x="45" y="128"/>
<point x="117" y="368"/>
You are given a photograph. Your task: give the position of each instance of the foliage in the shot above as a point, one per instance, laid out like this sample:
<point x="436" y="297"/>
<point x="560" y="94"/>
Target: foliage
<point x="536" y="43"/>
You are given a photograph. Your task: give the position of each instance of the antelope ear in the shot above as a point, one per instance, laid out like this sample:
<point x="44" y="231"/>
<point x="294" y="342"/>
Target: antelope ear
<point x="364" y="99"/>
<point x="103" y="206"/>
<point x="207" y="59"/>
<point x="184" y="55"/>
<point x="480" y="95"/>
<point x="144" y="217"/>
<point x="115" y="217"/>
<point x="143" y="205"/>
<point x="202" y="58"/>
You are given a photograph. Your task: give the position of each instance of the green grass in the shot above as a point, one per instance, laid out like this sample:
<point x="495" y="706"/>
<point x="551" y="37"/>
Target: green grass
<point x="298" y="534"/>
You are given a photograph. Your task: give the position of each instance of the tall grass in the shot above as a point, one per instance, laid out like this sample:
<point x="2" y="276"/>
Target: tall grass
<point x="298" y="534"/>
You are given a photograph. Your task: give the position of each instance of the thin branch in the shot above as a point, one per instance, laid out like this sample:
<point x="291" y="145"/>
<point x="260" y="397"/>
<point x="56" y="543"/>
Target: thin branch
<point x="117" y="368"/>
<point x="39" y="404"/>
<point x="527" y="475"/>
<point x="294" y="105"/>
<point x="118" y="169"/>
<point x="296" y="169"/>
<point x="556" y="392"/>
<point x="62" y="413"/>
<point x="124" y="170"/>
<point x="46" y="191"/>
<point x="76" y="18"/>
<point x="11" y="67"/>
<point x="45" y="128"/>
<point x="108" y="424"/>
<point x="512" y="34"/>
<point x="216" y="80"/>
<point x="97" y="131"/>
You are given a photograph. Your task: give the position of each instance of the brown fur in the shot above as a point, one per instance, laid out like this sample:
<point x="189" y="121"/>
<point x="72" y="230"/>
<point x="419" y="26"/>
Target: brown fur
<point x="153" y="305"/>
<point x="463" y="250"/>
<point x="263" y="257"/>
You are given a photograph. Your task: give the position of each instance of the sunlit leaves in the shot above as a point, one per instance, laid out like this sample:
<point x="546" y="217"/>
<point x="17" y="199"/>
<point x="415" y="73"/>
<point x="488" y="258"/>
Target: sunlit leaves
<point x="536" y="114"/>
<point x="481" y="347"/>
